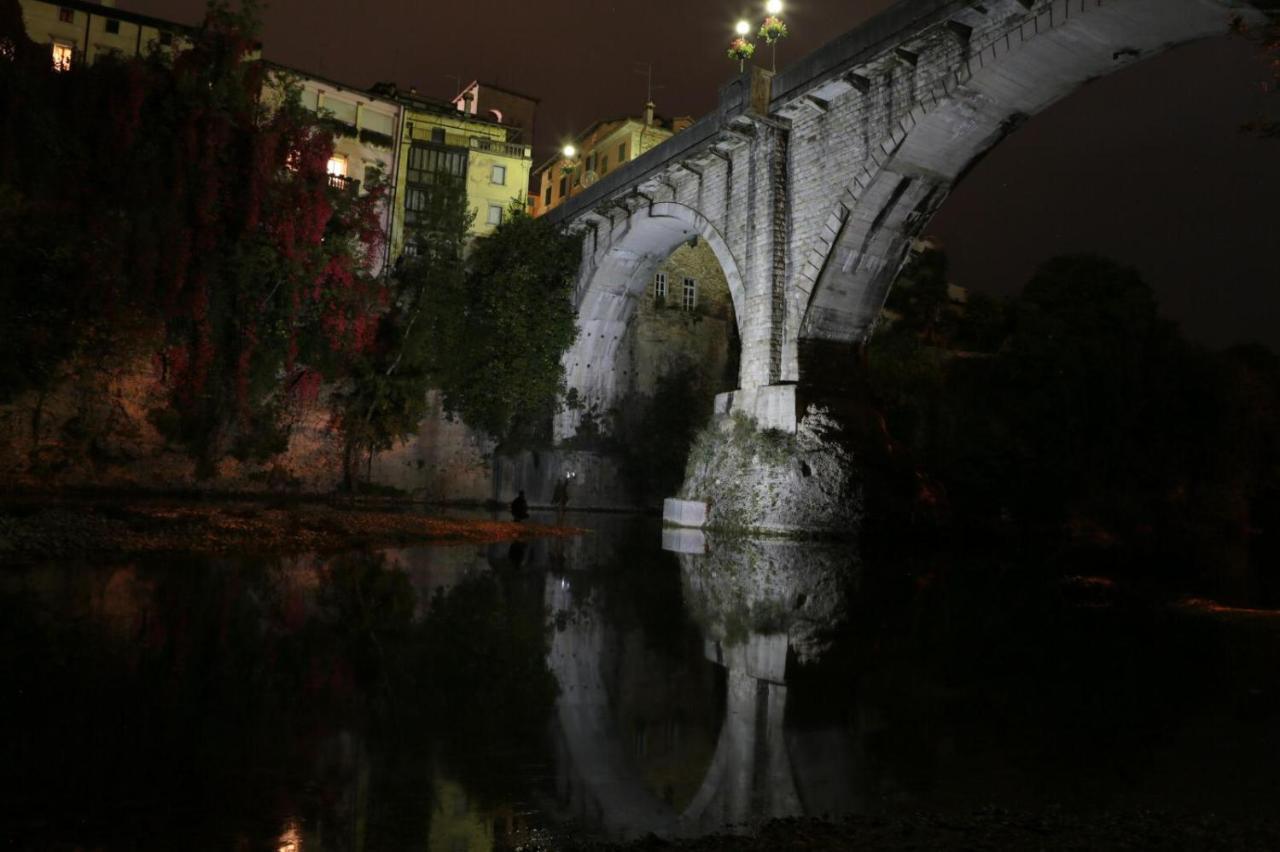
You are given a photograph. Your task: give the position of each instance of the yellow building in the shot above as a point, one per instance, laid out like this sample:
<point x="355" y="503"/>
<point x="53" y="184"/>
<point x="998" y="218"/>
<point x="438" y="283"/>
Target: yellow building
<point x="78" y="31"/>
<point x="441" y="145"/>
<point x="601" y="148"/>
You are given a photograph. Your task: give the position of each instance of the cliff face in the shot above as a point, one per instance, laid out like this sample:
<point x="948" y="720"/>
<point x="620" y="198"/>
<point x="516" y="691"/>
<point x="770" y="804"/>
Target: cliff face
<point x="98" y="427"/>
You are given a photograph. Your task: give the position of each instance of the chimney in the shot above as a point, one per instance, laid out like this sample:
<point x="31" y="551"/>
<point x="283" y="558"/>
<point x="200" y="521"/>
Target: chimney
<point x="648" y="113"/>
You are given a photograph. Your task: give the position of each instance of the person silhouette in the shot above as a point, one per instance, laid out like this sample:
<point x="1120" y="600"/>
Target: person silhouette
<point x="561" y="496"/>
<point x="520" y="507"/>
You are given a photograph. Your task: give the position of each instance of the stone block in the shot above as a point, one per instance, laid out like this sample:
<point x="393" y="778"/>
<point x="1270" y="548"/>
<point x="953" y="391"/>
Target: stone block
<point x="767" y="657"/>
<point x="723" y="402"/>
<point x="772" y="406"/>
<point x="684" y="513"/>
<point x="684" y="540"/>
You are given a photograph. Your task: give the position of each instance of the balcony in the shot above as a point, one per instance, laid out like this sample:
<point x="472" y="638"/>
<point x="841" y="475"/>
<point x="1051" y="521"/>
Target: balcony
<point x="502" y="149"/>
<point x="344" y="184"/>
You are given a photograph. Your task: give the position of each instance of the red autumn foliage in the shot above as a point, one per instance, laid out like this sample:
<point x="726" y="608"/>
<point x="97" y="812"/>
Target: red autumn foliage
<point x="193" y="211"/>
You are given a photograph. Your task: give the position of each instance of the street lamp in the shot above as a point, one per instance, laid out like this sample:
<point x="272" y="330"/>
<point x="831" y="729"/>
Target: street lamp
<point x="567" y="166"/>
<point x="741" y="49"/>
<point x="773" y="29"/>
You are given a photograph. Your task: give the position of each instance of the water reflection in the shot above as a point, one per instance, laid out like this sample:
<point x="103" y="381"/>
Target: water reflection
<point x="461" y="698"/>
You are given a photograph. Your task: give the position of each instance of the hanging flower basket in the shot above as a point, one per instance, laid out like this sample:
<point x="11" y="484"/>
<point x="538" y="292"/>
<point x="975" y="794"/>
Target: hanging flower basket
<point x="773" y="29"/>
<point x="741" y="49"/>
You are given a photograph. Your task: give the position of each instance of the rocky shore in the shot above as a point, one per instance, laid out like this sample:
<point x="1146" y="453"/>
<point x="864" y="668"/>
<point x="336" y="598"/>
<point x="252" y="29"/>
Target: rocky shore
<point x="36" y="530"/>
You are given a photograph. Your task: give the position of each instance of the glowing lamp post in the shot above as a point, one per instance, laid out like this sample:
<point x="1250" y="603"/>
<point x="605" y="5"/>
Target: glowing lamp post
<point x="567" y="166"/>
<point x="773" y="29"/>
<point x="741" y="49"/>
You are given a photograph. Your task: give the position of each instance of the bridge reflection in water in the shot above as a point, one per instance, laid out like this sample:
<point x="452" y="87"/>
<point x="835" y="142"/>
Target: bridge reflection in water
<point x="755" y="604"/>
<point x="405" y="696"/>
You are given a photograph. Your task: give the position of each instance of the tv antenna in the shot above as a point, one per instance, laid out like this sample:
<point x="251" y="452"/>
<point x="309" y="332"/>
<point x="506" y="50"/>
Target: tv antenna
<point x="645" y="69"/>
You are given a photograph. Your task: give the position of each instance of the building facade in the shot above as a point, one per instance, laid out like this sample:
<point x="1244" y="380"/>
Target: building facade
<point x="78" y="31"/>
<point x="440" y="146"/>
<point x="494" y="103"/>
<point x="601" y="148"/>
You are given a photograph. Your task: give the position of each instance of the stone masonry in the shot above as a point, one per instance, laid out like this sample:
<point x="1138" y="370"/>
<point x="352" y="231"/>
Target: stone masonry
<point x="810" y="185"/>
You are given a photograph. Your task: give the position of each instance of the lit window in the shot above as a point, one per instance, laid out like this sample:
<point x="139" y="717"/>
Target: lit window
<point x="62" y="56"/>
<point x="660" y="286"/>
<point x="113" y="26"/>
<point x="66" y="15"/>
<point x="690" y="294"/>
<point x="337" y="165"/>
<point x="498" y="175"/>
<point x="495" y="214"/>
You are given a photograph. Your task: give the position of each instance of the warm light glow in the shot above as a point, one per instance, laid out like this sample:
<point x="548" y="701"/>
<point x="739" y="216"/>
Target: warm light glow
<point x="569" y="152"/>
<point x="773" y="7"/>
<point x="742" y="28"/>
<point x="291" y="839"/>
<point x="62" y="57"/>
<point x="337" y="165"/>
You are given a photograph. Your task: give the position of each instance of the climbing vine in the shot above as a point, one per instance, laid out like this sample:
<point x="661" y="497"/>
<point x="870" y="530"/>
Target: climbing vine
<point x="169" y="204"/>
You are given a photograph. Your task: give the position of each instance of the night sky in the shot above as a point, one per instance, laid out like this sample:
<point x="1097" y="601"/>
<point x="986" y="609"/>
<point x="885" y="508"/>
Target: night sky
<point x="1146" y="166"/>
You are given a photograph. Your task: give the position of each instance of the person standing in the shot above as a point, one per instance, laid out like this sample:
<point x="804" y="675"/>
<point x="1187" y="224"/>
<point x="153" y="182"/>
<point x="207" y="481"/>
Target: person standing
<point x="561" y="497"/>
<point x="520" y="507"/>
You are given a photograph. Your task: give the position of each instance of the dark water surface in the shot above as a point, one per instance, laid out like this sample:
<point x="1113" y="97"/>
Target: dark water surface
<point x="477" y="697"/>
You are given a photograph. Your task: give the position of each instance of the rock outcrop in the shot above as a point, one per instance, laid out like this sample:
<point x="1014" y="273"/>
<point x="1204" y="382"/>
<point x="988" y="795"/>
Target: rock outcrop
<point x="769" y="481"/>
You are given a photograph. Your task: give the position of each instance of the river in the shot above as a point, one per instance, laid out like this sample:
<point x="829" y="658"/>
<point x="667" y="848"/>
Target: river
<point x="468" y="698"/>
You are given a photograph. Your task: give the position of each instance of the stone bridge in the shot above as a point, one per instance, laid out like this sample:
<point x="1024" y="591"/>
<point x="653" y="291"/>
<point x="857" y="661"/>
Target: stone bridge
<point x="810" y="185"/>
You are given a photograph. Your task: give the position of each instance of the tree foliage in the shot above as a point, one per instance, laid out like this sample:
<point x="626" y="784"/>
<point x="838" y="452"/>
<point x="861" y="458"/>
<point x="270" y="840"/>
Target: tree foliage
<point x="496" y="333"/>
<point x="1087" y="406"/>
<point x="166" y="205"/>
<point x="384" y="397"/>
<point x="1266" y="36"/>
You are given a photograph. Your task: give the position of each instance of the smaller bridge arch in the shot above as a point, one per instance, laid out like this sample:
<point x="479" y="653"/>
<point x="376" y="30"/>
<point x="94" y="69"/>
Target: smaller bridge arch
<point x="624" y="247"/>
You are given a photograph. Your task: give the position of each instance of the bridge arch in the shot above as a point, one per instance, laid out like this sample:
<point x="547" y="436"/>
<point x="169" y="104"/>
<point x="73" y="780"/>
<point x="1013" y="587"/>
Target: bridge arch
<point x="623" y="248"/>
<point x="1006" y="78"/>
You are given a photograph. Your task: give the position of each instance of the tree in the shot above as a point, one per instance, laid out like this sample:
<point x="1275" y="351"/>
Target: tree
<point x="384" y="397"/>
<point x="497" y="334"/>
<point x="1267" y="37"/>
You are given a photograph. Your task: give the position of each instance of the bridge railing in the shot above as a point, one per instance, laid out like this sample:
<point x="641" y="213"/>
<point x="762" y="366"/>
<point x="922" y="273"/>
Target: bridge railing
<point x="859" y="46"/>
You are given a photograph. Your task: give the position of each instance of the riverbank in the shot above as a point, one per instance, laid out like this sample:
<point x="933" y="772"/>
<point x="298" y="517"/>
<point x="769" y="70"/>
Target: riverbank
<point x="59" y="529"/>
<point x="991" y="828"/>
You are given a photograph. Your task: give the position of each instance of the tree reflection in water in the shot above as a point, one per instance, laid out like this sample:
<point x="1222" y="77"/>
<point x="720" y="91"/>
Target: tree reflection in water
<point x="162" y="704"/>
